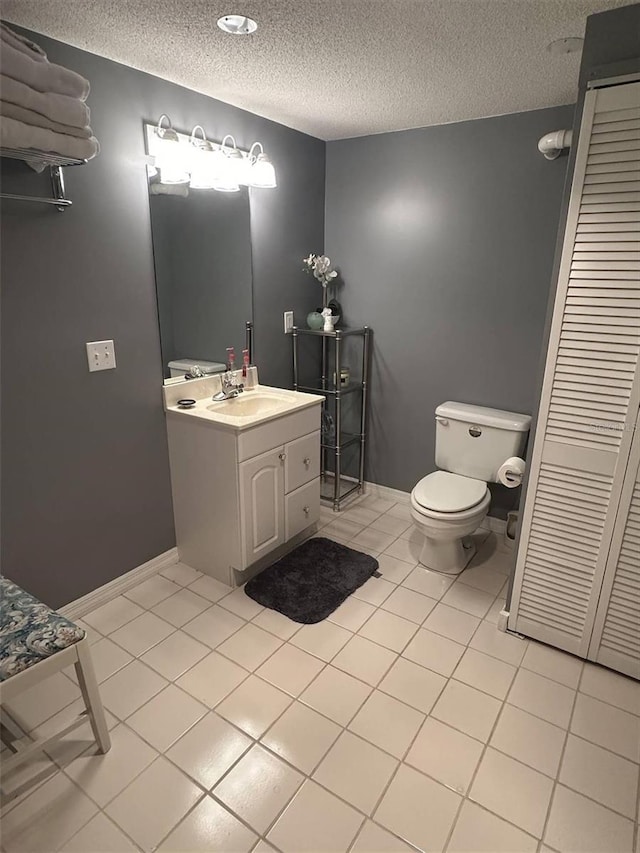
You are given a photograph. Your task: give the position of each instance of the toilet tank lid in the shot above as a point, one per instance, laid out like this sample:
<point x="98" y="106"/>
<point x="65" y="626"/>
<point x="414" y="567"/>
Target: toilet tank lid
<point x="484" y="416"/>
<point x="187" y="363"/>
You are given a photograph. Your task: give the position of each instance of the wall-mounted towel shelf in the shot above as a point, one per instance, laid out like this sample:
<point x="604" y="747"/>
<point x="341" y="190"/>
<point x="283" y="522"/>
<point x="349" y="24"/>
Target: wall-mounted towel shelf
<point x="55" y="162"/>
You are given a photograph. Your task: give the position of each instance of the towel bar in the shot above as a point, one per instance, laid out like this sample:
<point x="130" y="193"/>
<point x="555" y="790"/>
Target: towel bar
<point x="55" y="163"/>
<point x="60" y="203"/>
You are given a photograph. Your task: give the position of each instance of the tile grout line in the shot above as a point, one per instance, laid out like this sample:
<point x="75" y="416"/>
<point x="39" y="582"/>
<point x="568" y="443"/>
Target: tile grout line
<point x="344" y="728"/>
<point x="466" y="796"/>
<point x="309" y="776"/>
<point x="556" y="781"/>
<point x="327" y="664"/>
<point x="258" y="741"/>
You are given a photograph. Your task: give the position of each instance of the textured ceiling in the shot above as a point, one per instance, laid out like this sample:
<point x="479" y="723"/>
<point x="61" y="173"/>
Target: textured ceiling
<point x="338" y="68"/>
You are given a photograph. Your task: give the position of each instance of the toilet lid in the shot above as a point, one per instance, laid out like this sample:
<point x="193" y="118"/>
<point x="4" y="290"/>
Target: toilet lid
<point x="444" y="492"/>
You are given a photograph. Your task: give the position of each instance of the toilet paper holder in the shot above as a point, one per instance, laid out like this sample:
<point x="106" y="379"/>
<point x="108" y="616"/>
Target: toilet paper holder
<point x="511" y="472"/>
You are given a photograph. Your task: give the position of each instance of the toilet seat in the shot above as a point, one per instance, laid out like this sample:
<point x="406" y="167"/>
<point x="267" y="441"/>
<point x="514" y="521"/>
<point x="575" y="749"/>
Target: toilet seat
<point x="442" y="492"/>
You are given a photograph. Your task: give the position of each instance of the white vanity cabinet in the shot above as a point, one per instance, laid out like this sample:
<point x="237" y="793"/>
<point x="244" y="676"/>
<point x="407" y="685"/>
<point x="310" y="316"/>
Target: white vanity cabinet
<point x="243" y="496"/>
<point x="262" y="505"/>
<point x="279" y="495"/>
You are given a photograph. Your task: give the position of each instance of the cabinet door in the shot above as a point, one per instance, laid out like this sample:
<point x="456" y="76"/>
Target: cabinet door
<point x="262" y="504"/>
<point x="616" y="636"/>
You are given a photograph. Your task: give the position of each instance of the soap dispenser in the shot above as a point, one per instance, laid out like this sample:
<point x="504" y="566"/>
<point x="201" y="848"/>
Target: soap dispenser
<point x="231" y="359"/>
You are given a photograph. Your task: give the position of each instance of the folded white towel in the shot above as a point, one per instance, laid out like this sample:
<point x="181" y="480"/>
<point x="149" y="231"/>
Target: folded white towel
<point x="23" y="44"/>
<point x="30" y="117"/>
<point x="58" y="108"/>
<point x="42" y="76"/>
<point x="16" y="134"/>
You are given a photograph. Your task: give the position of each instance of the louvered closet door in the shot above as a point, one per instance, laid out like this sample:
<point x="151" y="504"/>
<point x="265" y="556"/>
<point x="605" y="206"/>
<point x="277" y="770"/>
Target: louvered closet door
<point x="616" y="633"/>
<point x="591" y="387"/>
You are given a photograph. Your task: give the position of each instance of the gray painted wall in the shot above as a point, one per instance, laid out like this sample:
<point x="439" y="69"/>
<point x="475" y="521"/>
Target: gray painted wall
<point x="444" y="237"/>
<point x="85" y="481"/>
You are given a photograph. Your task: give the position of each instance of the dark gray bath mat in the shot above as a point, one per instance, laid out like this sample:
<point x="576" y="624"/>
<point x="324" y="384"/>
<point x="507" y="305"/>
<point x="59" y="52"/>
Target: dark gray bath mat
<point x="309" y="583"/>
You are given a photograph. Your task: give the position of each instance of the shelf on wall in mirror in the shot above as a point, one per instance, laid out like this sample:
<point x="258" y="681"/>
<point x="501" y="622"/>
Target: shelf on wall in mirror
<point x="55" y="162"/>
<point x="346" y="439"/>
<point x="348" y="485"/>
<point x="317" y="388"/>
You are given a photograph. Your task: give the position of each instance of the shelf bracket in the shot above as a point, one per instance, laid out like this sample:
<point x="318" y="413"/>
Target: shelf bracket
<point x="59" y="199"/>
<point x="57" y="187"/>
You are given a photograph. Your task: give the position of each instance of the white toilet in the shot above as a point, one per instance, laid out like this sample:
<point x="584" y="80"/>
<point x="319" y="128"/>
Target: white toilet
<point x="472" y="442"/>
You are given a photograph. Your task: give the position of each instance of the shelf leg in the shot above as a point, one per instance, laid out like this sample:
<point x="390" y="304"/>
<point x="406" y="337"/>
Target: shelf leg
<point x="294" y="341"/>
<point x="248" y="337"/>
<point x="338" y="450"/>
<point x="365" y="390"/>
<point x="325" y="406"/>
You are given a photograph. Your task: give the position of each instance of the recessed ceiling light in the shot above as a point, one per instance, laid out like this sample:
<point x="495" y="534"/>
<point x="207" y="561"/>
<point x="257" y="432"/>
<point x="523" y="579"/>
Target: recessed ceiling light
<point x="567" y="45"/>
<point x="237" y="25"/>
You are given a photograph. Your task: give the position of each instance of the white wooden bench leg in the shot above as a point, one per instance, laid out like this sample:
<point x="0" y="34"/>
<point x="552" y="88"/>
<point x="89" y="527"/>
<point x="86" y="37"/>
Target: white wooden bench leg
<point x="91" y="695"/>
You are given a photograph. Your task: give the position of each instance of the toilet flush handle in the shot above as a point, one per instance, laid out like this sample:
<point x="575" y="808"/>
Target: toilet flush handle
<point x="441" y="420"/>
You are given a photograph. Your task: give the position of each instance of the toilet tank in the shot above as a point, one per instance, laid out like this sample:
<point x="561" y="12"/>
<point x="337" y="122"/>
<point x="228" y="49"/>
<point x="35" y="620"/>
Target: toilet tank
<point x="474" y="441"/>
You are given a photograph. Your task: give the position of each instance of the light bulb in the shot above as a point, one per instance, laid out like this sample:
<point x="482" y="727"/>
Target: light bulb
<point x="262" y="174"/>
<point x="170" y="160"/>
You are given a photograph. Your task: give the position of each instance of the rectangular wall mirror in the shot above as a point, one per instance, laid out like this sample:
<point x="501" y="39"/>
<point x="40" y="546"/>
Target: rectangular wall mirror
<point x="202" y="257"/>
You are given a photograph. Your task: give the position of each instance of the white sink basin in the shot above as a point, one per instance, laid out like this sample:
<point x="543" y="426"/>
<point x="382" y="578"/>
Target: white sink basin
<point x="251" y="404"/>
<point x="243" y="412"/>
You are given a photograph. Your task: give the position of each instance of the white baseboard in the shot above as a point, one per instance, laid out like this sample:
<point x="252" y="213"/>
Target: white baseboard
<point x="76" y="609"/>
<point x="386" y="493"/>
<point x="497" y="525"/>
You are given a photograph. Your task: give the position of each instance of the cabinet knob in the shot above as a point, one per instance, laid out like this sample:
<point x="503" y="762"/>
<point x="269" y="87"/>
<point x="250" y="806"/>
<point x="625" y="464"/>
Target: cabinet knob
<point x="307" y="461"/>
<point x="282" y="456"/>
<point x="306" y="510"/>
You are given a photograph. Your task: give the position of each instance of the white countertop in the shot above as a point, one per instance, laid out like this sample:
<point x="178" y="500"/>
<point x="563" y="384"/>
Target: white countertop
<point x="268" y="404"/>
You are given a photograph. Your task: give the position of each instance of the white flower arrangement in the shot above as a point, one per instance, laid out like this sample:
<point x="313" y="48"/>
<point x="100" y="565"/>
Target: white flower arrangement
<point x="319" y="266"/>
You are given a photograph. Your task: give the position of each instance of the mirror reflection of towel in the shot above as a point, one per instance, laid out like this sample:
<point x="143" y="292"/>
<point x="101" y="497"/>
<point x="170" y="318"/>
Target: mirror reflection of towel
<point x="158" y="188"/>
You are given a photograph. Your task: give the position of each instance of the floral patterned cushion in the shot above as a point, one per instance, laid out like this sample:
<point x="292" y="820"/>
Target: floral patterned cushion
<point x="29" y="630"/>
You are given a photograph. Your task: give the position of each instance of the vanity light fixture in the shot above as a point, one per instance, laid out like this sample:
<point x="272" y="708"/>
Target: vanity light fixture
<point x="237" y="25"/>
<point x="232" y="166"/>
<point x="205" y="164"/>
<point x="260" y="171"/>
<point x="170" y="160"/>
<point x="196" y="161"/>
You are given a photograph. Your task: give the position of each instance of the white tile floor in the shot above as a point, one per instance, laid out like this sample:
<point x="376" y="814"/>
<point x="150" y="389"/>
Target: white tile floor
<point x="405" y="721"/>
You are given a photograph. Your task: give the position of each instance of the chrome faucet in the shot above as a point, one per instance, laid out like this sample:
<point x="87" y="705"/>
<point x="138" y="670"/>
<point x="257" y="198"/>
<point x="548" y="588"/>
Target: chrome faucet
<point x="229" y="388"/>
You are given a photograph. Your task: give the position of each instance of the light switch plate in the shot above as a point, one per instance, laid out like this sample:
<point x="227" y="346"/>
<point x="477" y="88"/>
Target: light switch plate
<point x="101" y="355"/>
<point x="288" y="322"/>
